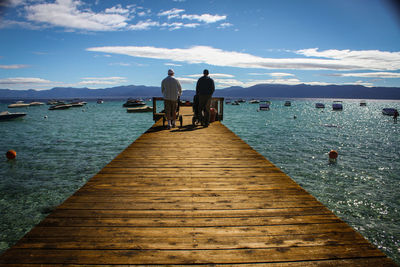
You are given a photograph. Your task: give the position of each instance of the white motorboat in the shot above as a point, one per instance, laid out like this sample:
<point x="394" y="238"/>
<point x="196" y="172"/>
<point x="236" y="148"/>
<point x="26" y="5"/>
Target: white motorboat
<point x="139" y="109"/>
<point x="5" y="115"/>
<point x="60" y="106"/>
<point x="19" y="104"/>
<point x="36" y="103"/>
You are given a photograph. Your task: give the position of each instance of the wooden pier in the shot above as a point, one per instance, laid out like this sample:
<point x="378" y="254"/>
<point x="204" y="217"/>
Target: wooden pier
<point x="192" y="196"/>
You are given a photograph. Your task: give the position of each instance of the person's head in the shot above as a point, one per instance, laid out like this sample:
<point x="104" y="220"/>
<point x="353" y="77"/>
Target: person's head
<point x="171" y="72"/>
<point x="205" y="72"/>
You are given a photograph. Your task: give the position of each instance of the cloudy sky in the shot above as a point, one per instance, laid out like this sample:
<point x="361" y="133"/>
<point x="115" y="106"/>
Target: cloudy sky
<point x="106" y="43"/>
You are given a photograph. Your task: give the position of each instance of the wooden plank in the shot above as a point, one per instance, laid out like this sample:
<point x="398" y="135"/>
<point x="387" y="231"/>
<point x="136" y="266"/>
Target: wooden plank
<point x="176" y="242"/>
<point x="228" y="213"/>
<point x="354" y="262"/>
<point x="202" y="196"/>
<point x="196" y="256"/>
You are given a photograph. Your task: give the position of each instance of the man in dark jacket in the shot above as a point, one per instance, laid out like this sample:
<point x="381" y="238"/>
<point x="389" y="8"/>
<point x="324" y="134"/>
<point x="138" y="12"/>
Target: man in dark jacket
<point x="204" y="89"/>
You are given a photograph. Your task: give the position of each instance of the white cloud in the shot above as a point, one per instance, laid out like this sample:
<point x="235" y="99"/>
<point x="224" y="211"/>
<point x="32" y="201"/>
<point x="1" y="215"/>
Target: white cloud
<point x="118" y="9"/>
<point x="370" y="75"/>
<point x="361" y="59"/>
<point x="102" y="80"/>
<point x="280" y="74"/>
<point x="144" y="25"/>
<point x="15" y="66"/>
<point x="213" y="75"/>
<point x="76" y="15"/>
<point x="66" y="13"/>
<point x="273" y="74"/>
<point x="378" y="60"/>
<point x="172" y="13"/>
<point x="23" y="80"/>
<point x="173" y="64"/>
<point x="184" y="80"/>
<point x="207" y="18"/>
<point x="225" y="25"/>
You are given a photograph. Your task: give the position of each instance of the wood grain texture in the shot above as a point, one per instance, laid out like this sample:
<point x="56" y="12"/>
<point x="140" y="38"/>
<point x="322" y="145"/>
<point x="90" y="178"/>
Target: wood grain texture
<point x="192" y="196"/>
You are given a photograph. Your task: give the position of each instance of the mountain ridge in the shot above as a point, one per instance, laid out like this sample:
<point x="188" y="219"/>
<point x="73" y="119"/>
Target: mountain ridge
<point x="256" y="91"/>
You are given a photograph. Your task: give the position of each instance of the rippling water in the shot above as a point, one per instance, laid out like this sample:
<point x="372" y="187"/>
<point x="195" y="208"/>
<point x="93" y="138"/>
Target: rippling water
<point x="56" y="155"/>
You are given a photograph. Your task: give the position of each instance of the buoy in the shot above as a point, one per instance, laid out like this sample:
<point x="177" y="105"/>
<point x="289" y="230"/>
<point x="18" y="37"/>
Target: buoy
<point x="11" y="154"/>
<point x="333" y="154"/>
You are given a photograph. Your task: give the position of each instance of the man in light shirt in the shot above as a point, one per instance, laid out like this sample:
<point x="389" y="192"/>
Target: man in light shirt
<point x="171" y="90"/>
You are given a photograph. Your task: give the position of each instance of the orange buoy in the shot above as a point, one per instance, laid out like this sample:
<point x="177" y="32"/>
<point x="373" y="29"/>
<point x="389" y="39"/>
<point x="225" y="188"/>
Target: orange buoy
<point x="333" y="155"/>
<point x="11" y="154"/>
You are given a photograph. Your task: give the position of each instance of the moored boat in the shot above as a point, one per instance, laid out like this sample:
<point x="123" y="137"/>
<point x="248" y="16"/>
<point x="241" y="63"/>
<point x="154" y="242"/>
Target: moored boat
<point x="264" y="106"/>
<point x="139" y="109"/>
<point x="36" y="103"/>
<point x="100" y="101"/>
<point x="254" y="101"/>
<point x="5" y="115"/>
<point x="319" y="105"/>
<point x="337" y="105"/>
<point x="363" y="103"/>
<point x="19" y="104"/>
<point x="134" y="103"/>
<point x="389" y="111"/>
<point x="60" y="106"/>
<point x="287" y="104"/>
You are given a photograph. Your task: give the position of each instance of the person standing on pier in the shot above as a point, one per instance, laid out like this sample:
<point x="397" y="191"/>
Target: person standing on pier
<point x="204" y="89"/>
<point x="171" y="90"/>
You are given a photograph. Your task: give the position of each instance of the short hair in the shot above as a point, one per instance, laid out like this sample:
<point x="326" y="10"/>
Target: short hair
<point x="171" y="72"/>
<point x="205" y="72"/>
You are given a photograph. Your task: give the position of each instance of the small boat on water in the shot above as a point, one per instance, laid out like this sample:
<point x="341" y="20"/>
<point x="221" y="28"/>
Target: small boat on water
<point x="263" y="106"/>
<point x="389" y="111"/>
<point x="241" y="100"/>
<point x="363" y="103"/>
<point x="287" y="104"/>
<point x="235" y="103"/>
<point x="19" y="104"/>
<point x="5" y="115"/>
<point x="319" y="105"/>
<point x="54" y="102"/>
<point x="139" y="109"/>
<point x="228" y="101"/>
<point x="60" y="106"/>
<point x="77" y="104"/>
<point x="36" y="103"/>
<point x="337" y="105"/>
<point x="100" y="101"/>
<point x="254" y="101"/>
<point x="134" y="103"/>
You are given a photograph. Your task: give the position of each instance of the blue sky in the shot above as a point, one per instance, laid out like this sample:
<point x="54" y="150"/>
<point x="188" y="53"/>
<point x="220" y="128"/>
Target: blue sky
<point x="107" y="43"/>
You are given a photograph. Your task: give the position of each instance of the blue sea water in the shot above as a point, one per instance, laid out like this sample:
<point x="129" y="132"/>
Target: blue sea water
<point x="58" y="151"/>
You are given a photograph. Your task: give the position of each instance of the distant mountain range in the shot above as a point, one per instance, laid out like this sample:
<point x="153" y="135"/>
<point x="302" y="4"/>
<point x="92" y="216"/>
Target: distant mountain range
<point x="256" y="91"/>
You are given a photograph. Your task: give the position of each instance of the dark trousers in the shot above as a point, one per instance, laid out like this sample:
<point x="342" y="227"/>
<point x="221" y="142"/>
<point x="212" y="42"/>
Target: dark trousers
<point x="204" y="108"/>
